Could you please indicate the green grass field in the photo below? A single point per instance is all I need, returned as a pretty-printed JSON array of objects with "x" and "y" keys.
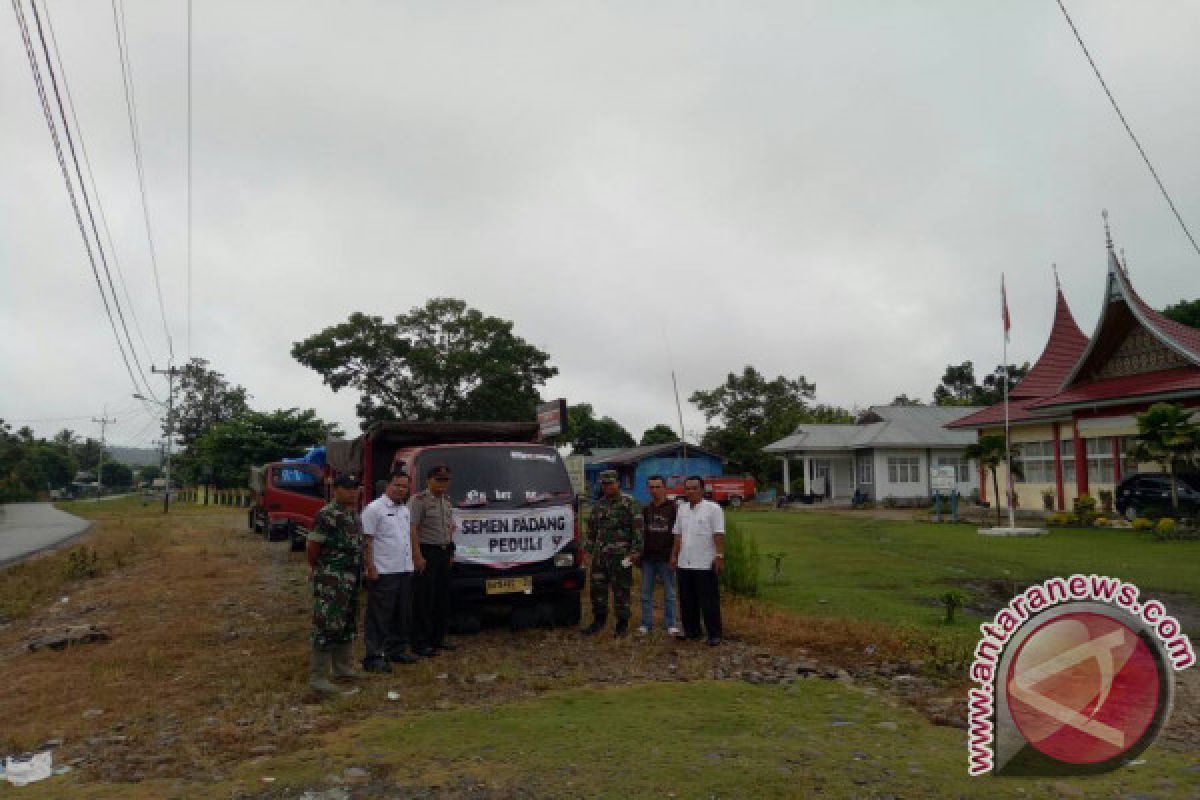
[{"x": 886, "y": 570}]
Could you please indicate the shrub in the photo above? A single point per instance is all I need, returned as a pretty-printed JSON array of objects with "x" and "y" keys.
[
  {"x": 1143, "y": 524},
  {"x": 740, "y": 575},
  {"x": 1101, "y": 522},
  {"x": 1058, "y": 519},
  {"x": 1165, "y": 528},
  {"x": 83, "y": 562},
  {"x": 1106, "y": 500},
  {"x": 1085, "y": 509},
  {"x": 953, "y": 600}
]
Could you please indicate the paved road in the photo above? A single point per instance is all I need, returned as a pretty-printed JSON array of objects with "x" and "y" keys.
[{"x": 26, "y": 528}]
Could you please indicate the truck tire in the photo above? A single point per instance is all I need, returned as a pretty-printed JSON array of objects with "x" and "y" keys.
[
  {"x": 298, "y": 541},
  {"x": 252, "y": 521},
  {"x": 279, "y": 532},
  {"x": 568, "y": 610}
]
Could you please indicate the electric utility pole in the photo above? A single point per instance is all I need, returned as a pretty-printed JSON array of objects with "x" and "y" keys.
[
  {"x": 103, "y": 422},
  {"x": 170, "y": 372}
]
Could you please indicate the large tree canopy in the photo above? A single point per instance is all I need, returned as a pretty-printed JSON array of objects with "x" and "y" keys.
[
  {"x": 1185, "y": 311},
  {"x": 747, "y": 412},
  {"x": 959, "y": 388},
  {"x": 204, "y": 399},
  {"x": 585, "y": 432},
  {"x": 224, "y": 454},
  {"x": 659, "y": 434},
  {"x": 443, "y": 360}
]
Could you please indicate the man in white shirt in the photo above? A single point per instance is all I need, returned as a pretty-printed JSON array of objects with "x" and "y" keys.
[
  {"x": 388, "y": 562},
  {"x": 698, "y": 556}
]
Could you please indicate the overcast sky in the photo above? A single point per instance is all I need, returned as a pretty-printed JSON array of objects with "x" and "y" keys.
[{"x": 828, "y": 189}]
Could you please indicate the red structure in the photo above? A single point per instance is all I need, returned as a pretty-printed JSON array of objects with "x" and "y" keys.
[{"x": 1072, "y": 418}]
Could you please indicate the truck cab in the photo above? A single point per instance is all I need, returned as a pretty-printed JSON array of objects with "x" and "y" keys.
[
  {"x": 287, "y": 497},
  {"x": 517, "y": 535}
]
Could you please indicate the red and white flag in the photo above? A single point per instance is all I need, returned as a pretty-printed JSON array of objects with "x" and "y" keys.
[{"x": 1004, "y": 308}]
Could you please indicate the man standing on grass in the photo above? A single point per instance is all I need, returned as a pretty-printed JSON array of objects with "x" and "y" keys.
[
  {"x": 389, "y": 567},
  {"x": 659, "y": 522},
  {"x": 614, "y": 542},
  {"x": 433, "y": 537},
  {"x": 698, "y": 556},
  {"x": 335, "y": 557}
]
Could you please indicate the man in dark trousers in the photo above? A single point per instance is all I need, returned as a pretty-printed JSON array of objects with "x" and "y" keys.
[
  {"x": 388, "y": 562},
  {"x": 334, "y": 553},
  {"x": 432, "y": 533},
  {"x": 657, "y": 542},
  {"x": 698, "y": 557},
  {"x": 614, "y": 543}
]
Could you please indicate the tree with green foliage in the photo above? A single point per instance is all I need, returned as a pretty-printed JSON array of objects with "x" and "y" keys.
[
  {"x": 442, "y": 360},
  {"x": 905, "y": 400},
  {"x": 1166, "y": 434},
  {"x": 1186, "y": 312},
  {"x": 659, "y": 434},
  {"x": 585, "y": 432},
  {"x": 747, "y": 412},
  {"x": 990, "y": 452},
  {"x": 959, "y": 387},
  {"x": 204, "y": 398},
  {"x": 149, "y": 473},
  {"x": 114, "y": 475},
  {"x": 224, "y": 454}
]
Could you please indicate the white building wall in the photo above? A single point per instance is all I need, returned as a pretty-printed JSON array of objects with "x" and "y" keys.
[{"x": 885, "y": 487}]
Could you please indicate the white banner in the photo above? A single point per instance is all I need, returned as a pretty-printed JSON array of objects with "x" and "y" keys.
[{"x": 505, "y": 538}]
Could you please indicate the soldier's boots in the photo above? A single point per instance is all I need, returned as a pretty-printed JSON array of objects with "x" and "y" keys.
[
  {"x": 622, "y": 627},
  {"x": 596, "y": 626},
  {"x": 343, "y": 661},
  {"x": 319, "y": 669}
]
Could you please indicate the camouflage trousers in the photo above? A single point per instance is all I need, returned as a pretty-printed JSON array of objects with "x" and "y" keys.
[
  {"x": 335, "y": 608},
  {"x": 607, "y": 571}
]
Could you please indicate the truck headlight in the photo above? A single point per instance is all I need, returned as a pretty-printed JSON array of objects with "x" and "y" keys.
[{"x": 564, "y": 560}]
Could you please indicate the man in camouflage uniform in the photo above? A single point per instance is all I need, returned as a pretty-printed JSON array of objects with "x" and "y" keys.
[
  {"x": 334, "y": 552},
  {"x": 614, "y": 542}
]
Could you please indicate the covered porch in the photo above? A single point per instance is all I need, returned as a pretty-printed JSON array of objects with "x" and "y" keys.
[{"x": 823, "y": 477}]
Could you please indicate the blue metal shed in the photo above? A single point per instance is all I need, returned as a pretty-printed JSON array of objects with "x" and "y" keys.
[{"x": 636, "y": 464}]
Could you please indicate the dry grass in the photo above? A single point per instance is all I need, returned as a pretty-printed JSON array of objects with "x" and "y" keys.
[{"x": 207, "y": 664}]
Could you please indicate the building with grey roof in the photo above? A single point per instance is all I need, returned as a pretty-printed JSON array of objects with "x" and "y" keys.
[{"x": 888, "y": 453}]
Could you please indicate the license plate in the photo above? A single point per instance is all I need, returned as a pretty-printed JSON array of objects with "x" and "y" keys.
[{"x": 510, "y": 585}]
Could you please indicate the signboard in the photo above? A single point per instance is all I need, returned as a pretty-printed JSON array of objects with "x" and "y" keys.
[
  {"x": 552, "y": 418},
  {"x": 943, "y": 479},
  {"x": 506, "y": 538}
]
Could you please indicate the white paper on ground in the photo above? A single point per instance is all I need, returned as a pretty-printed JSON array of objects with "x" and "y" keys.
[{"x": 38, "y": 767}]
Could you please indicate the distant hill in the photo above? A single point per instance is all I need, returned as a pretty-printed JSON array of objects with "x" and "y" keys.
[{"x": 135, "y": 456}]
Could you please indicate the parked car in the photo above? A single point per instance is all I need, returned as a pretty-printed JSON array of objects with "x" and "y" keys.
[{"x": 1146, "y": 491}]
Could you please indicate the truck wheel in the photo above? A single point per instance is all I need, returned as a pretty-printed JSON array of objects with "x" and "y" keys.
[
  {"x": 252, "y": 521},
  {"x": 567, "y": 610},
  {"x": 735, "y": 502},
  {"x": 279, "y": 532},
  {"x": 299, "y": 541}
]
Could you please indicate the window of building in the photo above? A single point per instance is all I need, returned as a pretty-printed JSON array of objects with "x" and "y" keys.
[
  {"x": 904, "y": 469},
  {"x": 1099, "y": 459},
  {"x": 962, "y": 467},
  {"x": 1036, "y": 460},
  {"x": 866, "y": 469}
]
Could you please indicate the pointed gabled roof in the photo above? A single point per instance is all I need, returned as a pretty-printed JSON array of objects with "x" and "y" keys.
[
  {"x": 1063, "y": 348},
  {"x": 1122, "y": 307},
  {"x": 1066, "y": 343}
]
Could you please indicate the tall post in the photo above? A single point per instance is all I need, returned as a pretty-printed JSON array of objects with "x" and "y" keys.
[
  {"x": 1011, "y": 489},
  {"x": 682, "y": 434},
  {"x": 171, "y": 371},
  {"x": 104, "y": 420}
]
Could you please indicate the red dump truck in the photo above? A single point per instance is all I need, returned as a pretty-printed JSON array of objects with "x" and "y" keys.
[
  {"x": 730, "y": 490},
  {"x": 517, "y": 536}
]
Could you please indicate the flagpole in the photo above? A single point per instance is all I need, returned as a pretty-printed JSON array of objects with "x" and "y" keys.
[{"x": 1007, "y": 443}]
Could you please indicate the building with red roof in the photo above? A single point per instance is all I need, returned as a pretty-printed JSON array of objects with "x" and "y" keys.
[{"x": 1072, "y": 418}]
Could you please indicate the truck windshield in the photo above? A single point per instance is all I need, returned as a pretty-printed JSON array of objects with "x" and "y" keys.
[{"x": 500, "y": 476}]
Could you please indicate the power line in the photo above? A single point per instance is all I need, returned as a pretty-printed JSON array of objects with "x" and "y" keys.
[
  {"x": 131, "y": 111},
  {"x": 1128, "y": 129},
  {"x": 23, "y": 24},
  {"x": 87, "y": 203},
  {"x": 95, "y": 190}
]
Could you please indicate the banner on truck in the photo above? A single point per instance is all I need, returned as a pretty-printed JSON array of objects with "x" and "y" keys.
[{"x": 505, "y": 538}]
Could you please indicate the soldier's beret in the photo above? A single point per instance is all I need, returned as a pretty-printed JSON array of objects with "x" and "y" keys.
[{"x": 608, "y": 475}]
